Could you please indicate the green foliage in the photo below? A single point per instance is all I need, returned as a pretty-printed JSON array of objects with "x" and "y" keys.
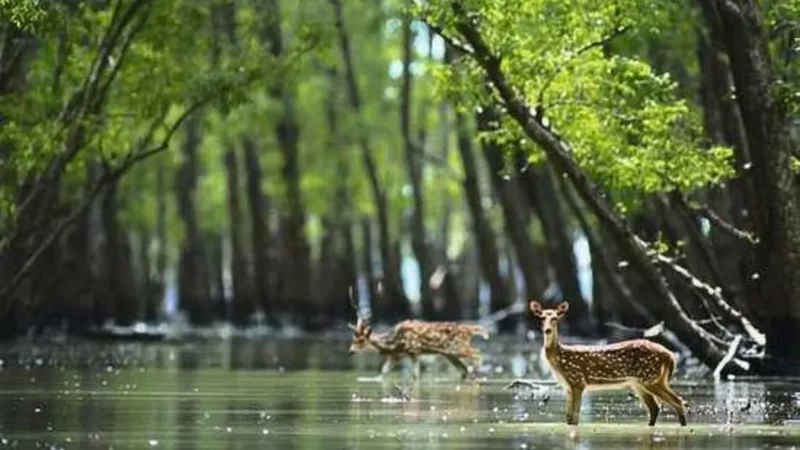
[
  {"x": 627, "y": 125},
  {"x": 24, "y": 14}
]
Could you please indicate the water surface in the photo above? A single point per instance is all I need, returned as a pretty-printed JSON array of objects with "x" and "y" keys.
[{"x": 309, "y": 394}]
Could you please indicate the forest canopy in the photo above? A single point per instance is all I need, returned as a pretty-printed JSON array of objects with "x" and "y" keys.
[{"x": 262, "y": 162}]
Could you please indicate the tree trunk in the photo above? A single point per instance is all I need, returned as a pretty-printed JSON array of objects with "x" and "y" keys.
[
  {"x": 376, "y": 303},
  {"x": 341, "y": 226},
  {"x": 775, "y": 288},
  {"x": 540, "y": 185},
  {"x": 148, "y": 281},
  {"x": 451, "y": 309},
  {"x": 622, "y": 301},
  {"x": 484, "y": 235},
  {"x": 160, "y": 281},
  {"x": 259, "y": 211},
  {"x": 119, "y": 299},
  {"x": 78, "y": 270},
  {"x": 516, "y": 215},
  {"x": 296, "y": 251},
  {"x": 397, "y": 304},
  {"x": 413, "y": 154},
  {"x": 329, "y": 274},
  {"x": 242, "y": 307},
  {"x": 193, "y": 288},
  {"x": 218, "y": 299}
]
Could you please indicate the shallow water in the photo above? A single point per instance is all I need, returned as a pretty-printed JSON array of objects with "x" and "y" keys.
[{"x": 244, "y": 394}]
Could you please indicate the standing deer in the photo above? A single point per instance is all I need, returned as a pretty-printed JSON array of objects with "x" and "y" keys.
[
  {"x": 642, "y": 365},
  {"x": 412, "y": 338}
]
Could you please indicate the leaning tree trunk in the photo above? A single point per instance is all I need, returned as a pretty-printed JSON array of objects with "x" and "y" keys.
[
  {"x": 398, "y": 305},
  {"x": 775, "y": 288},
  {"x": 413, "y": 154},
  {"x": 560, "y": 155},
  {"x": 484, "y": 235}
]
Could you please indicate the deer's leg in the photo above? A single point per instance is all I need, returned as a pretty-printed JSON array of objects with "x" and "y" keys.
[
  {"x": 574, "y": 396},
  {"x": 650, "y": 402},
  {"x": 417, "y": 367},
  {"x": 476, "y": 358},
  {"x": 459, "y": 365},
  {"x": 670, "y": 397},
  {"x": 388, "y": 364}
]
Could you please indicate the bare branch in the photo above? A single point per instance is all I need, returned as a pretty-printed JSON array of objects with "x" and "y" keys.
[
  {"x": 650, "y": 332},
  {"x": 715, "y": 293},
  {"x": 737, "y": 341},
  {"x": 140, "y": 156},
  {"x": 723, "y": 225}
]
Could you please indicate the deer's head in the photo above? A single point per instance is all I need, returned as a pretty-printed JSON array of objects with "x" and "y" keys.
[
  {"x": 361, "y": 335},
  {"x": 550, "y": 318},
  {"x": 361, "y": 330}
]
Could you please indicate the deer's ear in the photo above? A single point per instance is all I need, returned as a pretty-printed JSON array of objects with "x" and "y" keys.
[
  {"x": 562, "y": 308},
  {"x": 352, "y": 327},
  {"x": 536, "y": 308},
  {"x": 367, "y": 332}
]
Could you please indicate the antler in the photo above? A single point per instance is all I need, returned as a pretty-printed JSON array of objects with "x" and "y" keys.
[{"x": 355, "y": 307}]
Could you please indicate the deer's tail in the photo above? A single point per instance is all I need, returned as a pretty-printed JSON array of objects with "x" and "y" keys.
[{"x": 670, "y": 367}]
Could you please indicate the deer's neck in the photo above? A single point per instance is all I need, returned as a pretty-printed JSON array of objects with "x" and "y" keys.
[
  {"x": 552, "y": 348},
  {"x": 381, "y": 343}
]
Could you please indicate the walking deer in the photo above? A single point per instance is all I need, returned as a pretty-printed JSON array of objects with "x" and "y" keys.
[
  {"x": 412, "y": 338},
  {"x": 642, "y": 365}
]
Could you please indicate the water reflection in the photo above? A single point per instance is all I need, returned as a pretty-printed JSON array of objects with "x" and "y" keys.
[{"x": 311, "y": 395}]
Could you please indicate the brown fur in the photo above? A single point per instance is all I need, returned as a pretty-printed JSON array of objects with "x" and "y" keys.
[
  {"x": 642, "y": 365},
  {"x": 412, "y": 338}
]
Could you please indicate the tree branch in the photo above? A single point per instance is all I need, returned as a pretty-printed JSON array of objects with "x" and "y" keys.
[
  {"x": 722, "y": 224},
  {"x": 757, "y": 336},
  {"x": 737, "y": 341},
  {"x": 83, "y": 101},
  {"x": 618, "y": 31},
  {"x": 452, "y": 42},
  {"x": 106, "y": 178}
]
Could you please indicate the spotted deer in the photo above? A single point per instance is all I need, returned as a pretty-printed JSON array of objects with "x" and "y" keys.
[
  {"x": 412, "y": 338},
  {"x": 642, "y": 365}
]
